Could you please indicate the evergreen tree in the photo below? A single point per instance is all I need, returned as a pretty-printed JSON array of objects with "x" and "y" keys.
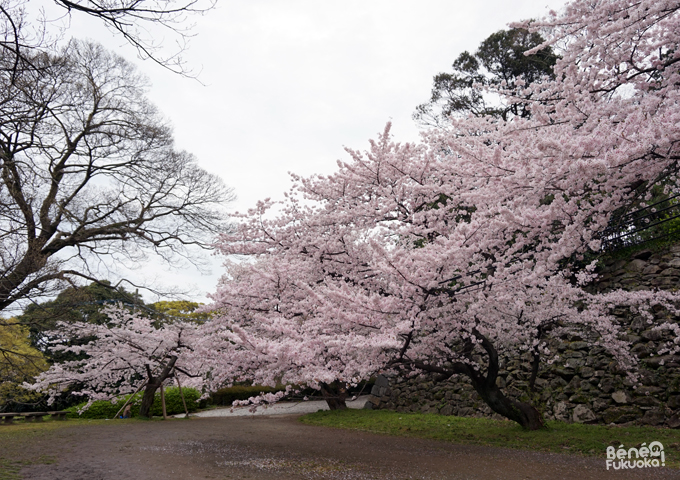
[
  {"x": 499, "y": 63},
  {"x": 74, "y": 304}
]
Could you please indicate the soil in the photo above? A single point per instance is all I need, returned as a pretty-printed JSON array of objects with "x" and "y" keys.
[{"x": 281, "y": 447}]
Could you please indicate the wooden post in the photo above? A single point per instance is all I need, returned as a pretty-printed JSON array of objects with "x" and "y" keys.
[
  {"x": 165, "y": 415},
  {"x": 129, "y": 399},
  {"x": 186, "y": 410}
]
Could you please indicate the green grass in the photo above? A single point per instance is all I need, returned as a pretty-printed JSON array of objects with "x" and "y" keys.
[
  {"x": 14, "y": 438},
  {"x": 558, "y": 437}
]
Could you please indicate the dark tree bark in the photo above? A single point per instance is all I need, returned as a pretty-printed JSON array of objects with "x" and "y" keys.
[
  {"x": 154, "y": 384},
  {"x": 335, "y": 395},
  {"x": 523, "y": 413}
]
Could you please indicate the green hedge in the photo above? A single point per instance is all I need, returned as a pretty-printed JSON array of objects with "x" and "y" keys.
[
  {"x": 173, "y": 401},
  {"x": 173, "y": 404},
  {"x": 98, "y": 409}
]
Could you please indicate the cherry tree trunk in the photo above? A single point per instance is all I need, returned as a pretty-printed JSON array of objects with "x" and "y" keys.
[
  {"x": 485, "y": 385},
  {"x": 148, "y": 398},
  {"x": 335, "y": 395},
  {"x": 154, "y": 384},
  {"x": 523, "y": 413}
]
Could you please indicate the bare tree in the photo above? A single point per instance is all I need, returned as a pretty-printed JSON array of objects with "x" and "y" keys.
[
  {"x": 134, "y": 20},
  {"x": 88, "y": 171}
]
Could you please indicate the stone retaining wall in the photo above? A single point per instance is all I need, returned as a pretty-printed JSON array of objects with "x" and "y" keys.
[{"x": 586, "y": 386}]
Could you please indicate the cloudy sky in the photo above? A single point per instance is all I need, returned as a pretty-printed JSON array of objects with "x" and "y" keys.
[{"x": 285, "y": 85}]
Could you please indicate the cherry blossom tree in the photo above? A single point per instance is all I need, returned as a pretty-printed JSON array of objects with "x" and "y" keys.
[
  {"x": 288, "y": 334},
  {"x": 477, "y": 243},
  {"x": 124, "y": 355},
  {"x": 384, "y": 270}
]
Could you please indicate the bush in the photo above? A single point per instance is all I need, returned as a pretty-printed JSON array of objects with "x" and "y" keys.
[
  {"x": 173, "y": 401},
  {"x": 98, "y": 409},
  {"x": 173, "y": 404}
]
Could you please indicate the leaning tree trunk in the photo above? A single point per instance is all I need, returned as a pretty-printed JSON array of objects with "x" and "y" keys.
[
  {"x": 335, "y": 394},
  {"x": 154, "y": 384},
  {"x": 523, "y": 413},
  {"x": 148, "y": 398}
]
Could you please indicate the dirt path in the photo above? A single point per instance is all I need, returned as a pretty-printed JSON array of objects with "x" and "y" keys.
[
  {"x": 279, "y": 408},
  {"x": 281, "y": 447}
]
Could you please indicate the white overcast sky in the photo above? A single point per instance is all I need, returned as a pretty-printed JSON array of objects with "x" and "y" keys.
[{"x": 285, "y": 85}]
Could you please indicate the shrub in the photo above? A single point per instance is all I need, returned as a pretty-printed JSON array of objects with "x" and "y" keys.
[
  {"x": 98, "y": 409},
  {"x": 226, "y": 396},
  {"x": 173, "y": 401},
  {"x": 173, "y": 404}
]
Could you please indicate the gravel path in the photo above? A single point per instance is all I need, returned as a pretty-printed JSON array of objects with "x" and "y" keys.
[
  {"x": 280, "y": 408},
  {"x": 281, "y": 447}
]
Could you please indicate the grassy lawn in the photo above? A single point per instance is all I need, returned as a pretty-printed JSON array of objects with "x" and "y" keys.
[{"x": 559, "y": 437}]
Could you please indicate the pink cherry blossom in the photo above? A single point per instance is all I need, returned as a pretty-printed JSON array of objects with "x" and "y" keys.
[{"x": 444, "y": 255}]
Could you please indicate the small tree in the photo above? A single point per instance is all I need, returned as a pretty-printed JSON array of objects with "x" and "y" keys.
[
  {"x": 122, "y": 356},
  {"x": 19, "y": 363}
]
